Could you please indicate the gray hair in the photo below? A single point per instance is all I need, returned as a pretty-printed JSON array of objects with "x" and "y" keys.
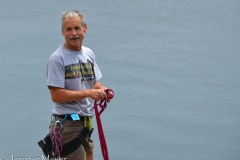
[{"x": 71, "y": 14}]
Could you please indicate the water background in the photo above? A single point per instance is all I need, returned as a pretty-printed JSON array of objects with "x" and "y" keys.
[{"x": 174, "y": 66}]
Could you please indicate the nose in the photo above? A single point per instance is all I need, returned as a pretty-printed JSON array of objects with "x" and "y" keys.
[{"x": 73, "y": 31}]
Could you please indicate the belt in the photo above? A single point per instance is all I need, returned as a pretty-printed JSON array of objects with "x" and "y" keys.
[{"x": 68, "y": 117}]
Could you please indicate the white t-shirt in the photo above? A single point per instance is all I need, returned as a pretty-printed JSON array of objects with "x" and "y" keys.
[{"x": 73, "y": 70}]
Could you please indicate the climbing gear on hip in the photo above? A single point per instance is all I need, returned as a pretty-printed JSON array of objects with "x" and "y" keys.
[
  {"x": 57, "y": 139},
  {"x": 53, "y": 148},
  {"x": 103, "y": 105},
  {"x": 87, "y": 122},
  {"x": 46, "y": 144}
]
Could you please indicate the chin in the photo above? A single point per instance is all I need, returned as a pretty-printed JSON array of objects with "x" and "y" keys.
[{"x": 78, "y": 47}]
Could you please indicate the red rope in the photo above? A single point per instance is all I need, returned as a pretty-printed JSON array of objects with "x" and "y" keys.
[
  {"x": 56, "y": 141},
  {"x": 102, "y": 104}
]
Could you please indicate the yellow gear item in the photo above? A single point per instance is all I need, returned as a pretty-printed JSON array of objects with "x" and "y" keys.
[{"x": 87, "y": 121}]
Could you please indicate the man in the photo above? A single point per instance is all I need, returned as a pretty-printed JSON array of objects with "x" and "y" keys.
[{"x": 73, "y": 79}]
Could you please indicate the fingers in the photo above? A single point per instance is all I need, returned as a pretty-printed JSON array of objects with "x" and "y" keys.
[
  {"x": 98, "y": 94},
  {"x": 101, "y": 94}
]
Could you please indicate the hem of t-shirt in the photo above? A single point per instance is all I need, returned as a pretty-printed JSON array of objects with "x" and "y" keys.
[{"x": 57, "y": 86}]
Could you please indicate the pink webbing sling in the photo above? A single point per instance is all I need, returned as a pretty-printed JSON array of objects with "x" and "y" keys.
[{"x": 102, "y": 104}]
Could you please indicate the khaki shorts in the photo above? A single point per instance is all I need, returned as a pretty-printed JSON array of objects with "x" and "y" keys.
[{"x": 70, "y": 130}]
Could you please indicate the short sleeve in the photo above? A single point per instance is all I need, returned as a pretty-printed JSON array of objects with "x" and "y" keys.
[{"x": 55, "y": 74}]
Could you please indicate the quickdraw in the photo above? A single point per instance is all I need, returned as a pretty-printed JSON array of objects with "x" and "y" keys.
[{"x": 103, "y": 105}]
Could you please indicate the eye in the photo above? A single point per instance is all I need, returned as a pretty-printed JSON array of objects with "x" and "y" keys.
[
  {"x": 77, "y": 28},
  {"x": 68, "y": 29}
]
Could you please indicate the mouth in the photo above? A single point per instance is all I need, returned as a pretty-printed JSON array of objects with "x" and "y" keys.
[{"x": 74, "y": 38}]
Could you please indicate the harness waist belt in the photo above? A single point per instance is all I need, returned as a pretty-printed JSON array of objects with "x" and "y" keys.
[{"x": 68, "y": 117}]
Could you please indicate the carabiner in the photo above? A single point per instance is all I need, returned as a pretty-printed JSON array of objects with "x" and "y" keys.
[{"x": 58, "y": 122}]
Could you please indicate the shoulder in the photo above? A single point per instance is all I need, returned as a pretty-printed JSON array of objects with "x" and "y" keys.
[
  {"x": 88, "y": 52},
  {"x": 57, "y": 55}
]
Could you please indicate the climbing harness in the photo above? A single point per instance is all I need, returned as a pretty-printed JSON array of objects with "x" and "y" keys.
[
  {"x": 53, "y": 148},
  {"x": 103, "y": 105}
]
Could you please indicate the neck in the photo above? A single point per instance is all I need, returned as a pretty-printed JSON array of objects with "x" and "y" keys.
[{"x": 74, "y": 48}]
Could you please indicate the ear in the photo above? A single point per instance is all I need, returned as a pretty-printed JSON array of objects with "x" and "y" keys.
[
  {"x": 62, "y": 33},
  {"x": 85, "y": 28}
]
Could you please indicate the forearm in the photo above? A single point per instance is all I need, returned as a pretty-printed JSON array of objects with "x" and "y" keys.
[{"x": 60, "y": 95}]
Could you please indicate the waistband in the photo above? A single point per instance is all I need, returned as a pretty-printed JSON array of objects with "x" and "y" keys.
[{"x": 68, "y": 117}]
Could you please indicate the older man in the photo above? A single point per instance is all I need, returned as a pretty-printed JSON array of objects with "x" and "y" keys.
[{"x": 73, "y": 80}]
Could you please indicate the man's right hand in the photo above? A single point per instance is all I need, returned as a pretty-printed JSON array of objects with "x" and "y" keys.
[{"x": 97, "y": 94}]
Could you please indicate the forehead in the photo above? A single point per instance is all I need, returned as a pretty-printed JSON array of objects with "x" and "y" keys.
[{"x": 72, "y": 22}]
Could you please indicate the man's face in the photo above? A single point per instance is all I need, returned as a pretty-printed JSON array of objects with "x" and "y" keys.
[{"x": 73, "y": 31}]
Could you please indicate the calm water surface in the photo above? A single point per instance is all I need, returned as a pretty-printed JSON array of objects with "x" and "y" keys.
[{"x": 174, "y": 67}]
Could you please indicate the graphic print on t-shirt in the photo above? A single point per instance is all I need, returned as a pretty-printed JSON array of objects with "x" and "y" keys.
[
  {"x": 72, "y": 71},
  {"x": 85, "y": 71}
]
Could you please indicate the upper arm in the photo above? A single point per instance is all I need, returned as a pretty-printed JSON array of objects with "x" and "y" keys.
[{"x": 55, "y": 74}]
